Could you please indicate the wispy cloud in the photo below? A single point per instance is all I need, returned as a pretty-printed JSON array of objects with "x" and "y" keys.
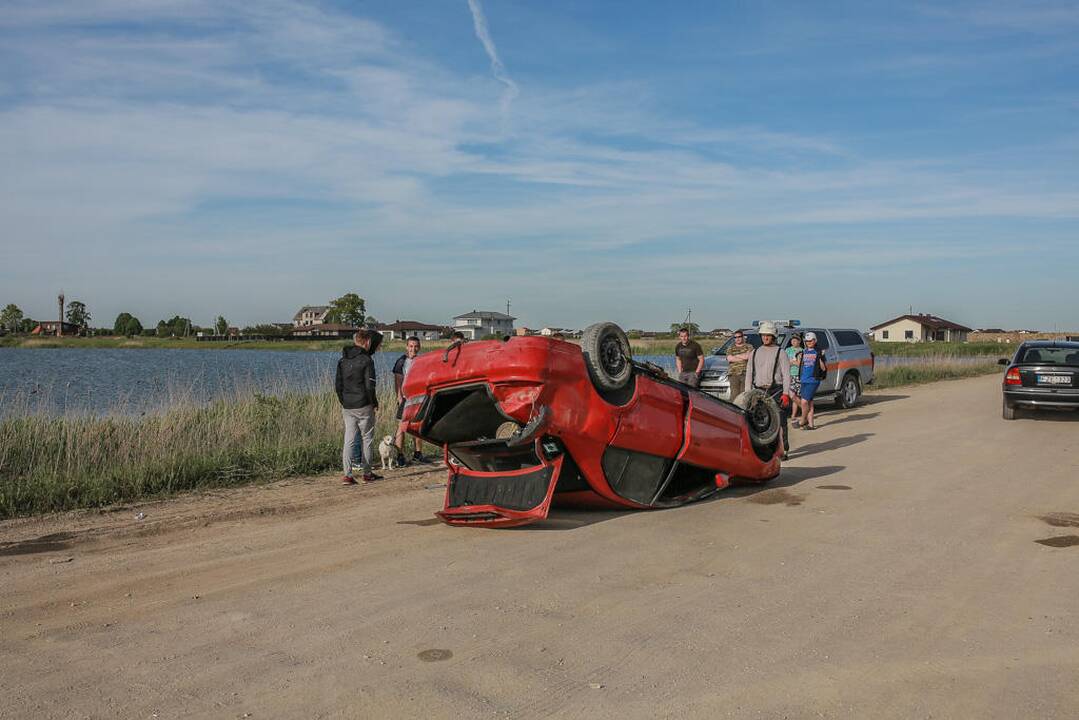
[
  {"x": 479, "y": 22},
  {"x": 311, "y": 146}
]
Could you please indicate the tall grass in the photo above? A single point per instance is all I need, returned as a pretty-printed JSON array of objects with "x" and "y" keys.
[
  {"x": 920, "y": 349},
  {"x": 932, "y": 371},
  {"x": 61, "y": 463}
]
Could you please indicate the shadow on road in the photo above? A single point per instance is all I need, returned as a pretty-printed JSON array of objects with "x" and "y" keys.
[
  {"x": 564, "y": 519},
  {"x": 1046, "y": 415},
  {"x": 835, "y": 444},
  {"x": 45, "y": 543},
  {"x": 850, "y": 418},
  {"x": 788, "y": 477},
  {"x": 877, "y": 398}
]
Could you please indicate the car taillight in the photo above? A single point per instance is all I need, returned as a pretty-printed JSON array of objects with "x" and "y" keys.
[{"x": 1012, "y": 377}]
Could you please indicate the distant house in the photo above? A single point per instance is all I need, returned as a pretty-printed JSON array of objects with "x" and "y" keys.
[
  {"x": 549, "y": 331},
  {"x": 310, "y": 315},
  {"x": 478, "y": 323},
  {"x": 720, "y": 333},
  {"x": 525, "y": 331},
  {"x": 403, "y": 329},
  {"x": 324, "y": 330},
  {"x": 920, "y": 328},
  {"x": 48, "y": 327}
]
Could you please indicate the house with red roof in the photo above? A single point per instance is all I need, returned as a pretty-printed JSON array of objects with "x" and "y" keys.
[{"x": 919, "y": 328}]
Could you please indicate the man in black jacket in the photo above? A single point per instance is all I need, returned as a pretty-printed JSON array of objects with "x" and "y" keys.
[{"x": 355, "y": 386}]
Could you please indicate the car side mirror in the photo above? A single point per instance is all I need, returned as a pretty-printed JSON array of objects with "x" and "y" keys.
[{"x": 1002, "y": 361}]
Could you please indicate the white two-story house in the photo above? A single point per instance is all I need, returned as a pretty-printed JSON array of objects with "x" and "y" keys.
[
  {"x": 310, "y": 315},
  {"x": 479, "y": 323}
]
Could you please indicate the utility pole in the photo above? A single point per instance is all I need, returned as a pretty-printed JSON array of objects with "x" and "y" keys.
[
  {"x": 507, "y": 306},
  {"x": 60, "y": 325}
]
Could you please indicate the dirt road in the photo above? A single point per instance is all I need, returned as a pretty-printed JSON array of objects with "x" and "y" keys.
[{"x": 892, "y": 571}]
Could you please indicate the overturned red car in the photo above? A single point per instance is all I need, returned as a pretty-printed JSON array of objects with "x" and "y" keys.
[{"x": 528, "y": 422}]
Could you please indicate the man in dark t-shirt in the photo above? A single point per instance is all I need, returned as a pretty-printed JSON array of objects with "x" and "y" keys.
[{"x": 688, "y": 359}]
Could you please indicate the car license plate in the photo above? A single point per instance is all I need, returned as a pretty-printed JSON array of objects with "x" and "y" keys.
[{"x": 1054, "y": 380}]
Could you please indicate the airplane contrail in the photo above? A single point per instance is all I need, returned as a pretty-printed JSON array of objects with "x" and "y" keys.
[{"x": 479, "y": 21}]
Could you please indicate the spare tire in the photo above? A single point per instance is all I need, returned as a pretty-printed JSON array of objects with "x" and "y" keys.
[
  {"x": 762, "y": 416},
  {"x": 607, "y": 356}
]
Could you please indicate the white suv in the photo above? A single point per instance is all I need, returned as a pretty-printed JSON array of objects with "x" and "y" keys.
[{"x": 850, "y": 363}]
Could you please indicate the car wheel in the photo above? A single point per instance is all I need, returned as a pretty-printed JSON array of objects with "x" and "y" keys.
[
  {"x": 762, "y": 416},
  {"x": 849, "y": 391},
  {"x": 607, "y": 355},
  {"x": 1009, "y": 411}
]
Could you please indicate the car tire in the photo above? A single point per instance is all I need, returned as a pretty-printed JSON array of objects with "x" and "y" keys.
[
  {"x": 849, "y": 391},
  {"x": 608, "y": 356},
  {"x": 1009, "y": 411},
  {"x": 762, "y": 416}
]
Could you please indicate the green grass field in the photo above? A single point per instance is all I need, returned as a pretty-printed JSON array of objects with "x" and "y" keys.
[
  {"x": 927, "y": 349},
  {"x": 49, "y": 464},
  {"x": 930, "y": 372}
]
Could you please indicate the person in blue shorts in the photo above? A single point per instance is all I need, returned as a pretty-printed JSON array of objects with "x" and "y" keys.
[{"x": 813, "y": 370}]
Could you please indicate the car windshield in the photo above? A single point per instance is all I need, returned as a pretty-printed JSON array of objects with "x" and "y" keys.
[
  {"x": 1050, "y": 356},
  {"x": 751, "y": 338}
]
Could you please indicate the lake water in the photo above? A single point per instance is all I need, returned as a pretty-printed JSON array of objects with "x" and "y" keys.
[{"x": 100, "y": 381}]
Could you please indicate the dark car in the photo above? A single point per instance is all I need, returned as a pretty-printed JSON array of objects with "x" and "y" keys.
[{"x": 1042, "y": 374}]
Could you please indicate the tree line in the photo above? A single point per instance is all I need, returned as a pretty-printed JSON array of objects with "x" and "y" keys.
[{"x": 349, "y": 309}]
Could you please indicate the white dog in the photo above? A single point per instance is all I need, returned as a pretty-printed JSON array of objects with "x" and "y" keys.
[{"x": 388, "y": 452}]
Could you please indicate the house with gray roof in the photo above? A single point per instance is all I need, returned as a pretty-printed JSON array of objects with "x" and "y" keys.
[
  {"x": 479, "y": 323},
  {"x": 310, "y": 315}
]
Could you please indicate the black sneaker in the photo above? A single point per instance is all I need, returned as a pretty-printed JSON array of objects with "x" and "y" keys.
[
  {"x": 419, "y": 458},
  {"x": 371, "y": 477}
]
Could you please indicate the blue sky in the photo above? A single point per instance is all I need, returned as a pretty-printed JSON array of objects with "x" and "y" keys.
[{"x": 837, "y": 161}]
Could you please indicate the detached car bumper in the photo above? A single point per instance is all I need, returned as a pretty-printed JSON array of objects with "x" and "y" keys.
[{"x": 500, "y": 499}]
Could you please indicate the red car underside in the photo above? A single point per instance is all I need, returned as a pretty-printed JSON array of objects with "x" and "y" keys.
[{"x": 656, "y": 444}]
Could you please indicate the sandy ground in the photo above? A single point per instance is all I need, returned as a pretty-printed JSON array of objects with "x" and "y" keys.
[{"x": 893, "y": 570}]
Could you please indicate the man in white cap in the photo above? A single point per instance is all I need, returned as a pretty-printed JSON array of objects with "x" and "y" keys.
[{"x": 768, "y": 369}]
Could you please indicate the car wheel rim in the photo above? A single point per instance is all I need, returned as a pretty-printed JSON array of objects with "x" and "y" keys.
[
  {"x": 611, "y": 356},
  {"x": 852, "y": 391},
  {"x": 759, "y": 418}
]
